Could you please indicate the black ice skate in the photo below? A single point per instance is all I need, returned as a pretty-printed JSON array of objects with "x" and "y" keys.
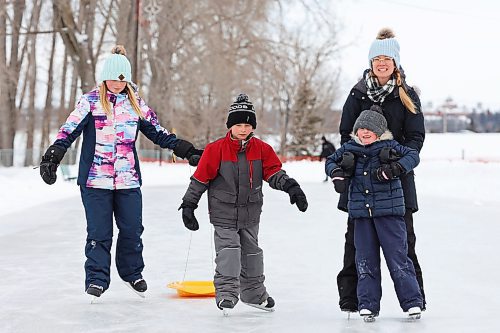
[
  {"x": 349, "y": 308},
  {"x": 267, "y": 305},
  {"x": 226, "y": 306},
  {"x": 94, "y": 291},
  {"x": 139, "y": 286}
]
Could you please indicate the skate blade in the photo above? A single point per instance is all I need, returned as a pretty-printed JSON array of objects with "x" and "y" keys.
[
  {"x": 258, "y": 306},
  {"x": 414, "y": 316},
  {"x": 93, "y": 299},
  {"x": 226, "y": 311},
  {"x": 369, "y": 319},
  {"x": 138, "y": 293}
]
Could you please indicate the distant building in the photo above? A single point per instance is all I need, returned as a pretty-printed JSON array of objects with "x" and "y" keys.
[{"x": 449, "y": 117}]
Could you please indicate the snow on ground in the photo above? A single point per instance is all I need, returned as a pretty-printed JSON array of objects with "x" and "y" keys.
[{"x": 43, "y": 234}]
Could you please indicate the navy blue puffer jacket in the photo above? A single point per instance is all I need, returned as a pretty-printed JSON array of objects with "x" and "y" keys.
[
  {"x": 407, "y": 128},
  {"x": 369, "y": 197}
]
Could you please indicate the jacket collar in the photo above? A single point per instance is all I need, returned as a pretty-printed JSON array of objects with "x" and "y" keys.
[{"x": 239, "y": 145}]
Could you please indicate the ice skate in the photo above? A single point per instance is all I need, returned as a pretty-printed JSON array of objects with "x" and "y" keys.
[
  {"x": 414, "y": 313},
  {"x": 226, "y": 306},
  {"x": 349, "y": 308},
  {"x": 267, "y": 305},
  {"x": 139, "y": 286},
  {"x": 94, "y": 291},
  {"x": 368, "y": 316}
]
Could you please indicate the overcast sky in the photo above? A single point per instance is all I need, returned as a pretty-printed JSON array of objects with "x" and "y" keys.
[{"x": 448, "y": 48}]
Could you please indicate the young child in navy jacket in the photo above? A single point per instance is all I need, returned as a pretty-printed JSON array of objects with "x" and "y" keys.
[{"x": 373, "y": 162}]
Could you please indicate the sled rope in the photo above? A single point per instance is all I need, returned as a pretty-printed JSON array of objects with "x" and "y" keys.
[
  {"x": 187, "y": 257},
  {"x": 191, "y": 238}
]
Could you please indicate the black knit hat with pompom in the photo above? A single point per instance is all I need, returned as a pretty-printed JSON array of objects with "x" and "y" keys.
[{"x": 241, "y": 112}]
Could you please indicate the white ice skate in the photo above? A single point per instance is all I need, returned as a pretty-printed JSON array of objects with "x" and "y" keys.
[
  {"x": 414, "y": 313},
  {"x": 368, "y": 316}
]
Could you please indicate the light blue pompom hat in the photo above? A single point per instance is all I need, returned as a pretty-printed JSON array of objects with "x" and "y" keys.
[
  {"x": 386, "y": 45},
  {"x": 116, "y": 66}
]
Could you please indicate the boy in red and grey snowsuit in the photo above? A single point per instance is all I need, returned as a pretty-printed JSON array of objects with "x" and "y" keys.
[{"x": 233, "y": 169}]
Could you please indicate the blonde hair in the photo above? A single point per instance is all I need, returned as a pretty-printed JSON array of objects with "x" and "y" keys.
[
  {"x": 131, "y": 95},
  {"x": 403, "y": 95}
]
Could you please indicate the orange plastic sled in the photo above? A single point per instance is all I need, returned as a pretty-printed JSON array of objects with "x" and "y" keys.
[{"x": 193, "y": 288}]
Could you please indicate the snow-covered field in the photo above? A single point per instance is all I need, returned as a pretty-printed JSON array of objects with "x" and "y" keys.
[{"x": 43, "y": 235}]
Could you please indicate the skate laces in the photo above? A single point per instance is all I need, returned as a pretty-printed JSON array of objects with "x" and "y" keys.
[
  {"x": 137, "y": 281},
  {"x": 96, "y": 287}
]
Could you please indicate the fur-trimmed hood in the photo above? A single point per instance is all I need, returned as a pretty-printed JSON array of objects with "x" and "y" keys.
[{"x": 387, "y": 135}]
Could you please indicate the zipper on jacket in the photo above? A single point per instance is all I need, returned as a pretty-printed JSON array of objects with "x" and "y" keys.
[
  {"x": 251, "y": 173},
  {"x": 115, "y": 143}
]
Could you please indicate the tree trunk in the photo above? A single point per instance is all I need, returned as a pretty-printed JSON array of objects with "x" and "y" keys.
[
  {"x": 9, "y": 123},
  {"x": 128, "y": 33},
  {"x": 31, "y": 79},
  {"x": 62, "y": 113},
  {"x": 76, "y": 43},
  {"x": 3, "y": 83},
  {"x": 47, "y": 110}
]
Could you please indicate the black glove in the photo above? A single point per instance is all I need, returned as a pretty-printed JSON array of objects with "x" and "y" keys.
[
  {"x": 348, "y": 164},
  {"x": 388, "y": 155},
  {"x": 387, "y": 172},
  {"x": 296, "y": 194},
  {"x": 50, "y": 162},
  {"x": 194, "y": 156},
  {"x": 188, "y": 217},
  {"x": 339, "y": 180},
  {"x": 185, "y": 149}
]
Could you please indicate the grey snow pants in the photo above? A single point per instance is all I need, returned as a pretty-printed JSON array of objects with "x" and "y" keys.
[{"x": 239, "y": 265}]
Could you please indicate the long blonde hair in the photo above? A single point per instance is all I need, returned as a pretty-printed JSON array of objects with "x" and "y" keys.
[
  {"x": 130, "y": 93},
  {"x": 403, "y": 95}
]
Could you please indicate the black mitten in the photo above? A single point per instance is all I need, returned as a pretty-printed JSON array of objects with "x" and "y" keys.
[
  {"x": 297, "y": 196},
  {"x": 185, "y": 149},
  {"x": 348, "y": 164},
  {"x": 388, "y": 155},
  {"x": 188, "y": 217},
  {"x": 194, "y": 156},
  {"x": 50, "y": 162},
  {"x": 339, "y": 181},
  {"x": 387, "y": 172}
]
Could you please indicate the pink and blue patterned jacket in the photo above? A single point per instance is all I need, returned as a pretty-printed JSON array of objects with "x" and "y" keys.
[{"x": 109, "y": 158}]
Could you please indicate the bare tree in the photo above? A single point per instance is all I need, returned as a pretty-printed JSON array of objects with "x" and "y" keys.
[
  {"x": 11, "y": 66},
  {"x": 191, "y": 59},
  {"x": 78, "y": 38},
  {"x": 47, "y": 111},
  {"x": 31, "y": 78}
]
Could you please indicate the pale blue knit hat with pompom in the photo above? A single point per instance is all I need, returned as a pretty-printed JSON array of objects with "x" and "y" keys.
[
  {"x": 386, "y": 45},
  {"x": 116, "y": 67}
]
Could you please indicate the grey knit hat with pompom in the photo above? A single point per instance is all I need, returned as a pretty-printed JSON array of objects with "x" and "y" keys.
[{"x": 372, "y": 120}]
